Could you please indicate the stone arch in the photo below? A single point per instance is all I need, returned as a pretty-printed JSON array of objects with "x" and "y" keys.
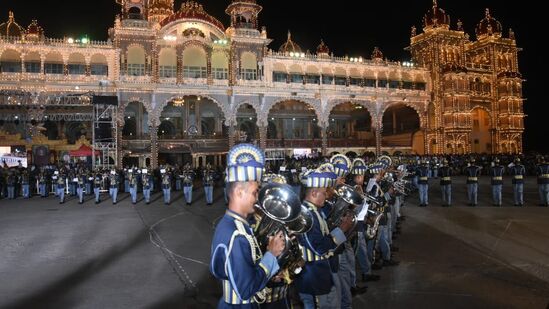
[
  {"x": 247, "y": 120},
  {"x": 351, "y": 119},
  {"x": 76, "y": 64},
  {"x": 299, "y": 128},
  {"x": 368, "y": 105},
  {"x": 136, "y": 58},
  {"x": 10, "y": 61},
  {"x": 271, "y": 102},
  {"x": 402, "y": 130},
  {"x": 99, "y": 65},
  {"x": 414, "y": 105},
  {"x": 154, "y": 115},
  {"x": 133, "y": 119},
  {"x": 32, "y": 61},
  {"x": 123, "y": 104}
]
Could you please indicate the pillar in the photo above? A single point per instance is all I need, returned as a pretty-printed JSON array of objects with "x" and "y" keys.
[
  {"x": 154, "y": 145},
  {"x": 209, "y": 68},
  {"x": 378, "y": 131},
  {"x": 263, "y": 137},
  {"x": 231, "y": 136},
  {"x": 324, "y": 134}
]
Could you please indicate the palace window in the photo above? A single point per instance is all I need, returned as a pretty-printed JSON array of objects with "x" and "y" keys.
[
  {"x": 407, "y": 85},
  {"x": 195, "y": 72},
  {"x": 341, "y": 80},
  {"x": 248, "y": 74},
  {"x": 370, "y": 83},
  {"x": 136, "y": 69},
  {"x": 32, "y": 67},
  {"x": 327, "y": 80},
  {"x": 13, "y": 67},
  {"x": 99, "y": 69},
  {"x": 382, "y": 83},
  {"x": 312, "y": 79},
  {"x": 76, "y": 69},
  {"x": 279, "y": 77},
  {"x": 394, "y": 84},
  {"x": 297, "y": 78},
  {"x": 220, "y": 73},
  {"x": 356, "y": 81},
  {"x": 167, "y": 71},
  {"x": 420, "y": 86},
  {"x": 53, "y": 68}
]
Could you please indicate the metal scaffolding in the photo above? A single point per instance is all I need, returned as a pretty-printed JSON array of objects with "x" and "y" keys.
[{"x": 105, "y": 131}]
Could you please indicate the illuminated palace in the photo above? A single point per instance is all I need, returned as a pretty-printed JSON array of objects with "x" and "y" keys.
[{"x": 188, "y": 88}]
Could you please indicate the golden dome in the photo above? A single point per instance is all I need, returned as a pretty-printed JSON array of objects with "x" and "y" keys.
[
  {"x": 377, "y": 54},
  {"x": 290, "y": 46},
  {"x": 11, "y": 28},
  {"x": 488, "y": 26},
  {"x": 436, "y": 17},
  {"x": 34, "y": 30}
]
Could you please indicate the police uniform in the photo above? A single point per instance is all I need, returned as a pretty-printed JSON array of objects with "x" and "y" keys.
[
  {"x": 543, "y": 182},
  {"x": 146, "y": 182},
  {"x": 236, "y": 259},
  {"x": 97, "y": 181},
  {"x": 166, "y": 187},
  {"x": 188, "y": 178},
  {"x": 318, "y": 284},
  {"x": 208, "y": 181},
  {"x": 132, "y": 185},
  {"x": 113, "y": 186},
  {"x": 518, "y": 171},
  {"x": 473, "y": 172},
  {"x": 446, "y": 183},
  {"x": 496, "y": 174},
  {"x": 423, "y": 184},
  {"x": 61, "y": 187},
  {"x": 25, "y": 184},
  {"x": 81, "y": 184},
  {"x": 11, "y": 186}
]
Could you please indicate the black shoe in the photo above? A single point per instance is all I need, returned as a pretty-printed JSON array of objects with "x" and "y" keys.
[
  {"x": 188, "y": 204},
  {"x": 390, "y": 262},
  {"x": 114, "y": 203},
  {"x": 147, "y": 203},
  {"x": 358, "y": 290},
  {"x": 370, "y": 278}
]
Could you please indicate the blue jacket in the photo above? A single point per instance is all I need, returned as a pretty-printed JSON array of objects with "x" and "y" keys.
[{"x": 237, "y": 261}]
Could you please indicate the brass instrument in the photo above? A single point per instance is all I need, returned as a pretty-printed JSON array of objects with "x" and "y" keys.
[{"x": 347, "y": 200}]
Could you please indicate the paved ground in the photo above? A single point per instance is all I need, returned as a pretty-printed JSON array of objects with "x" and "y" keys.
[{"x": 155, "y": 256}]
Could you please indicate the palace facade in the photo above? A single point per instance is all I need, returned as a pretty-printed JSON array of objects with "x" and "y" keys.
[{"x": 188, "y": 88}]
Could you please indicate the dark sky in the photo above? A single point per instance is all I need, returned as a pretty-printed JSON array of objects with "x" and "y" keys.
[{"x": 348, "y": 27}]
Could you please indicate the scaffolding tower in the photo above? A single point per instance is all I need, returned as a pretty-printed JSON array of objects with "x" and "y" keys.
[{"x": 105, "y": 132}]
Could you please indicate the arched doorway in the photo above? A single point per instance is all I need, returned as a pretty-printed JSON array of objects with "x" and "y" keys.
[
  {"x": 481, "y": 139},
  {"x": 350, "y": 125},
  {"x": 246, "y": 123},
  {"x": 400, "y": 124},
  {"x": 74, "y": 130},
  {"x": 293, "y": 124},
  {"x": 136, "y": 120}
]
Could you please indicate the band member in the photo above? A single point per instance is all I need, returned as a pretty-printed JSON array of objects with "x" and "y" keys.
[
  {"x": 423, "y": 183},
  {"x": 146, "y": 182},
  {"x": 208, "y": 181},
  {"x": 80, "y": 183},
  {"x": 188, "y": 178},
  {"x": 132, "y": 185},
  {"x": 446, "y": 183},
  {"x": 236, "y": 258},
  {"x": 60, "y": 180},
  {"x": 98, "y": 180},
  {"x": 11, "y": 185},
  {"x": 317, "y": 283},
  {"x": 42, "y": 185},
  {"x": 25, "y": 184},
  {"x": 358, "y": 171},
  {"x": 496, "y": 172},
  {"x": 166, "y": 186},
  {"x": 473, "y": 172},
  {"x": 113, "y": 186},
  {"x": 542, "y": 172},
  {"x": 517, "y": 170}
]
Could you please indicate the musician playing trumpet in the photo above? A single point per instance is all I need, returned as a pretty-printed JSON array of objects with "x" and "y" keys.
[{"x": 236, "y": 258}]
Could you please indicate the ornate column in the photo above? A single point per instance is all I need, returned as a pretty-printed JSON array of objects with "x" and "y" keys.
[
  {"x": 378, "y": 132},
  {"x": 324, "y": 134},
  {"x": 154, "y": 145},
  {"x": 179, "y": 67},
  {"x": 263, "y": 137},
  {"x": 231, "y": 136},
  {"x": 209, "y": 68}
]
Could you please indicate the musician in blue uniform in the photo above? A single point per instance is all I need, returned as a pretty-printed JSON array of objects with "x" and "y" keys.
[
  {"x": 542, "y": 172},
  {"x": 146, "y": 181},
  {"x": 188, "y": 178},
  {"x": 472, "y": 172},
  {"x": 517, "y": 170},
  {"x": 423, "y": 183},
  {"x": 236, "y": 259},
  {"x": 97, "y": 182},
  {"x": 132, "y": 185},
  {"x": 496, "y": 174},
  {"x": 208, "y": 181},
  {"x": 80, "y": 184},
  {"x": 166, "y": 186},
  {"x": 446, "y": 183},
  {"x": 60, "y": 180},
  {"x": 316, "y": 283},
  {"x": 113, "y": 186}
]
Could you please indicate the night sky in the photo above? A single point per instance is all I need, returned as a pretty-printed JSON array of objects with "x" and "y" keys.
[{"x": 348, "y": 27}]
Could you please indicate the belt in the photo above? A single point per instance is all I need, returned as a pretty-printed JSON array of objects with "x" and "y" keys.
[
  {"x": 310, "y": 256},
  {"x": 497, "y": 178},
  {"x": 423, "y": 178},
  {"x": 544, "y": 176},
  {"x": 518, "y": 176},
  {"x": 446, "y": 178},
  {"x": 472, "y": 178}
]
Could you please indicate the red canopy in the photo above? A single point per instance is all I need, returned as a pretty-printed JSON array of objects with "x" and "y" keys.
[{"x": 84, "y": 151}]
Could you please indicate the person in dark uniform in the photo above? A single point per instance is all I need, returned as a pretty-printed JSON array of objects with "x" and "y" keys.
[
  {"x": 446, "y": 183},
  {"x": 236, "y": 259},
  {"x": 113, "y": 186},
  {"x": 517, "y": 170},
  {"x": 472, "y": 172},
  {"x": 423, "y": 183},
  {"x": 42, "y": 184},
  {"x": 11, "y": 180},
  {"x": 166, "y": 186},
  {"x": 146, "y": 182},
  {"x": 496, "y": 174},
  {"x": 25, "y": 184},
  {"x": 97, "y": 181},
  {"x": 80, "y": 186},
  {"x": 208, "y": 182},
  {"x": 542, "y": 172},
  {"x": 132, "y": 185},
  {"x": 61, "y": 187},
  {"x": 188, "y": 179}
]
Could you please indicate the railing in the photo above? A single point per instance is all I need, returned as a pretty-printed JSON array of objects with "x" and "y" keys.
[
  {"x": 294, "y": 143},
  {"x": 345, "y": 142},
  {"x": 54, "y": 42},
  {"x": 135, "y": 23},
  {"x": 314, "y": 57}
]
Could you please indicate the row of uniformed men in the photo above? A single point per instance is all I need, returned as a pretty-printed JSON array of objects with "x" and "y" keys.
[{"x": 252, "y": 278}]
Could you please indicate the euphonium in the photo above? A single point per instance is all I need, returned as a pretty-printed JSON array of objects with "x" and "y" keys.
[{"x": 347, "y": 200}]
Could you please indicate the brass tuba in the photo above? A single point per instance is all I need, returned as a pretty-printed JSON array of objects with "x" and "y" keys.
[{"x": 347, "y": 200}]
